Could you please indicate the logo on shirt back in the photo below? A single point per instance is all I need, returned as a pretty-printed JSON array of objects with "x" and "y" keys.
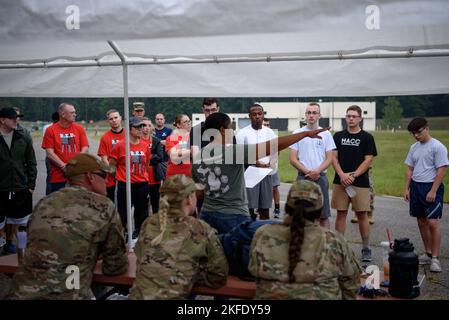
[
  {"x": 350, "y": 142},
  {"x": 68, "y": 142}
]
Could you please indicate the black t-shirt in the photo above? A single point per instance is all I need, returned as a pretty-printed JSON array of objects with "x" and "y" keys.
[{"x": 352, "y": 149}]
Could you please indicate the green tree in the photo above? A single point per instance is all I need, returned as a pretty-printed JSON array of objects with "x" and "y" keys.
[{"x": 392, "y": 112}]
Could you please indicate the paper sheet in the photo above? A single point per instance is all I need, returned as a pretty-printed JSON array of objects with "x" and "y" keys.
[{"x": 254, "y": 175}]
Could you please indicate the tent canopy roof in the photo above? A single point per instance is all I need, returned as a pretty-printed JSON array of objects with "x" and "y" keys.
[{"x": 169, "y": 31}]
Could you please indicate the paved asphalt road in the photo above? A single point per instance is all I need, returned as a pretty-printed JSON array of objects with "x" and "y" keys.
[{"x": 390, "y": 212}]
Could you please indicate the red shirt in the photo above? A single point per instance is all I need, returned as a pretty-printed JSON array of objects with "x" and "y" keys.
[
  {"x": 139, "y": 157},
  {"x": 66, "y": 142},
  {"x": 107, "y": 142},
  {"x": 179, "y": 142}
]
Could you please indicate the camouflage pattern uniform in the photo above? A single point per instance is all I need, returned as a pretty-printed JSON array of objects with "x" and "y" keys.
[
  {"x": 327, "y": 268},
  {"x": 72, "y": 226},
  {"x": 189, "y": 252}
]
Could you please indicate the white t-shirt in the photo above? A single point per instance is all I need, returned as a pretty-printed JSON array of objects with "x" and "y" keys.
[
  {"x": 426, "y": 158},
  {"x": 248, "y": 135},
  {"x": 312, "y": 152}
]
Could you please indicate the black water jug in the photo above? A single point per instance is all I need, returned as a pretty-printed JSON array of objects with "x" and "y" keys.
[{"x": 403, "y": 270}]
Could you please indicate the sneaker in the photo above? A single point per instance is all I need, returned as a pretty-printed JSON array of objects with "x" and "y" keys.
[
  {"x": 9, "y": 248},
  {"x": 366, "y": 254},
  {"x": 276, "y": 213},
  {"x": 435, "y": 265},
  {"x": 354, "y": 219},
  {"x": 424, "y": 259}
]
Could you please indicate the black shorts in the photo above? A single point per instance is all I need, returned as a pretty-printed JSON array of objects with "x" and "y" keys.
[{"x": 15, "y": 207}]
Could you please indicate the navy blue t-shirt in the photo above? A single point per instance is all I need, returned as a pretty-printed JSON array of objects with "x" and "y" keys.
[
  {"x": 162, "y": 134},
  {"x": 352, "y": 149}
]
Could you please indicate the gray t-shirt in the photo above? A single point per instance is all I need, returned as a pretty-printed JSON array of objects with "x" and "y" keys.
[
  {"x": 8, "y": 138},
  {"x": 221, "y": 169},
  {"x": 426, "y": 158}
]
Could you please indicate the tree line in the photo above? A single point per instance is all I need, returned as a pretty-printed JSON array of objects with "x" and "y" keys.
[{"x": 391, "y": 109}]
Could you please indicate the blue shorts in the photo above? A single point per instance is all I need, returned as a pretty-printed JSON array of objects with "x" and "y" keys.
[{"x": 419, "y": 207}]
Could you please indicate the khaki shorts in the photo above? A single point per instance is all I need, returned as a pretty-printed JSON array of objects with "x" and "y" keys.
[{"x": 340, "y": 199}]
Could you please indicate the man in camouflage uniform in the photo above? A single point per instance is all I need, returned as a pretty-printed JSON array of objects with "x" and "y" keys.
[
  {"x": 68, "y": 231},
  {"x": 176, "y": 250},
  {"x": 327, "y": 268}
]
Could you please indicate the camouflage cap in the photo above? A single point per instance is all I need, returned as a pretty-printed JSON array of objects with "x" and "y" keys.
[
  {"x": 139, "y": 106},
  {"x": 178, "y": 187},
  {"x": 306, "y": 190},
  {"x": 84, "y": 162}
]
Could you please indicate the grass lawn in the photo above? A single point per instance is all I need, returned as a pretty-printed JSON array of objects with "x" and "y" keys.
[{"x": 388, "y": 166}]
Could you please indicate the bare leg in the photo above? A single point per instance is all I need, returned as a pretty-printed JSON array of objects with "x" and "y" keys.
[
  {"x": 276, "y": 196},
  {"x": 362, "y": 216},
  {"x": 435, "y": 236},
  {"x": 340, "y": 222},
  {"x": 325, "y": 223},
  {"x": 424, "y": 229},
  {"x": 264, "y": 214}
]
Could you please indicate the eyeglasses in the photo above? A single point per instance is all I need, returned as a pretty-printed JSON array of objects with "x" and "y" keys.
[
  {"x": 186, "y": 121},
  {"x": 266, "y": 124},
  {"x": 351, "y": 116},
  {"x": 312, "y": 112},
  {"x": 211, "y": 110},
  {"x": 418, "y": 132},
  {"x": 101, "y": 174}
]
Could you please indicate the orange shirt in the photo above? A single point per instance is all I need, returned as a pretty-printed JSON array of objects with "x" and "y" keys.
[
  {"x": 107, "y": 142},
  {"x": 66, "y": 142},
  {"x": 139, "y": 156},
  {"x": 179, "y": 142}
]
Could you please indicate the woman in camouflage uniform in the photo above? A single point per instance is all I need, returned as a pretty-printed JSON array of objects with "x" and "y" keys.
[
  {"x": 299, "y": 259},
  {"x": 176, "y": 250}
]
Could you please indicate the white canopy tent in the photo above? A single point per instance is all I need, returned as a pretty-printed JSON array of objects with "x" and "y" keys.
[{"x": 169, "y": 48}]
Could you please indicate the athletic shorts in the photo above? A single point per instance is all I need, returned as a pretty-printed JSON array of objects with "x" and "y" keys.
[
  {"x": 341, "y": 200},
  {"x": 261, "y": 195},
  {"x": 419, "y": 207},
  {"x": 275, "y": 180},
  {"x": 15, "y": 207}
]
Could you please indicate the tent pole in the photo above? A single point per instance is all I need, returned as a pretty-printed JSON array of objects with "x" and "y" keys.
[
  {"x": 127, "y": 151},
  {"x": 404, "y": 54}
]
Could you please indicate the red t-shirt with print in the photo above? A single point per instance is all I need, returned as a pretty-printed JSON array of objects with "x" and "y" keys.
[
  {"x": 66, "y": 142},
  {"x": 179, "y": 142},
  {"x": 139, "y": 157},
  {"x": 107, "y": 142}
]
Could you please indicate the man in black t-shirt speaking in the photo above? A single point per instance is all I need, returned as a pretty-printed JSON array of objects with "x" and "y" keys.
[{"x": 352, "y": 158}]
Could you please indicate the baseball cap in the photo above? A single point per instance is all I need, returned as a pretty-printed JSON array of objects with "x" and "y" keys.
[
  {"x": 178, "y": 187},
  {"x": 9, "y": 113},
  {"x": 306, "y": 190},
  {"x": 84, "y": 162},
  {"x": 139, "y": 106},
  {"x": 135, "y": 122}
]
